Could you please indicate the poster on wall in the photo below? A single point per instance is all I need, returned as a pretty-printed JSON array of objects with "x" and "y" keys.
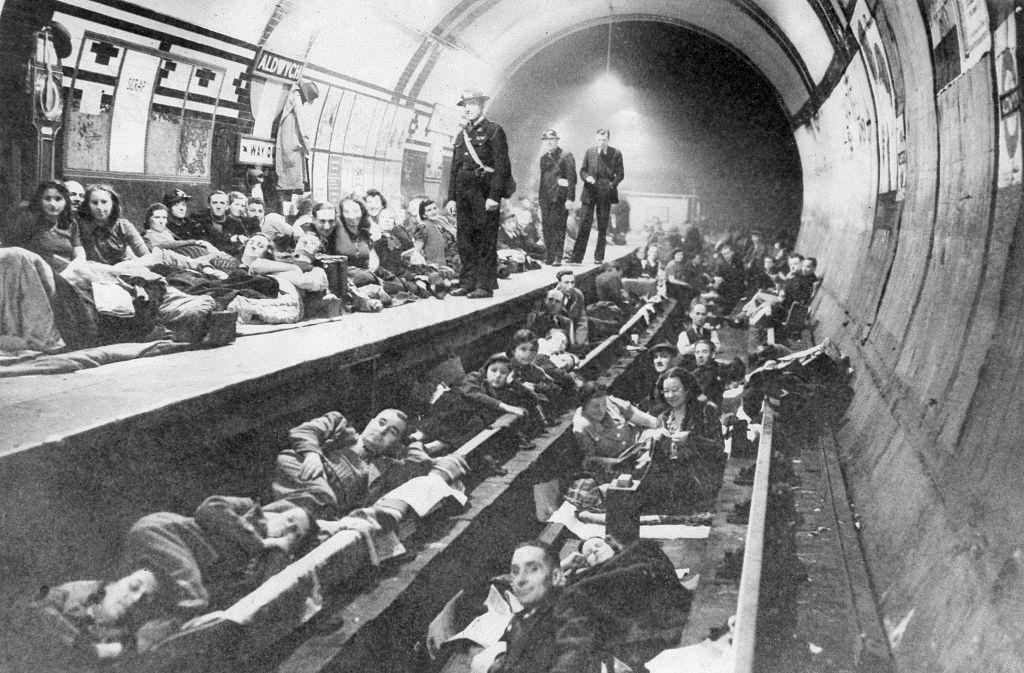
[
  {"x": 883, "y": 92},
  {"x": 959, "y": 31},
  {"x": 1008, "y": 83},
  {"x": 414, "y": 168},
  {"x": 131, "y": 114}
]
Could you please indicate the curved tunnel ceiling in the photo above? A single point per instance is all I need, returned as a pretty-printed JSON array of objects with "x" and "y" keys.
[{"x": 482, "y": 40}]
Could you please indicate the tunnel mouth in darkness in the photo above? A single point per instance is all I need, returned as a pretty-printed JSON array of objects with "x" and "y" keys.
[{"x": 691, "y": 115}]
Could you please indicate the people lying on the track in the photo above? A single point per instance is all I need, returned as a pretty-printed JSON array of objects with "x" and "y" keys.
[
  {"x": 641, "y": 270},
  {"x": 708, "y": 372},
  {"x": 545, "y": 635},
  {"x": 172, "y": 568},
  {"x": 613, "y": 436},
  {"x": 626, "y": 606},
  {"x": 575, "y": 306},
  {"x": 633, "y": 587},
  {"x": 761, "y": 277},
  {"x": 457, "y": 414},
  {"x": 680, "y": 283},
  {"x": 693, "y": 240},
  {"x": 553, "y": 354},
  {"x": 664, "y": 356},
  {"x": 549, "y": 315},
  {"x": 494, "y": 389},
  {"x": 754, "y": 252},
  {"x": 342, "y": 469},
  {"x": 789, "y": 381},
  {"x": 554, "y": 388},
  {"x": 510, "y": 237},
  {"x": 47, "y": 226},
  {"x": 613, "y": 306},
  {"x": 779, "y": 253},
  {"x": 633, "y": 265},
  {"x": 159, "y": 235},
  {"x": 608, "y": 285},
  {"x": 691, "y": 471},
  {"x": 728, "y": 279},
  {"x": 771, "y": 309},
  {"x": 696, "y": 329}
]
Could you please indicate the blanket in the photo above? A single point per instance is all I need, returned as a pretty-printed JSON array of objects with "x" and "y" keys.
[{"x": 89, "y": 358}]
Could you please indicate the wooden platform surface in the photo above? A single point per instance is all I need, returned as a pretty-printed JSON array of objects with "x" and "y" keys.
[{"x": 44, "y": 410}]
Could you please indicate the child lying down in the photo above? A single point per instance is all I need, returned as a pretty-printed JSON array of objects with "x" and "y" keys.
[{"x": 173, "y": 568}]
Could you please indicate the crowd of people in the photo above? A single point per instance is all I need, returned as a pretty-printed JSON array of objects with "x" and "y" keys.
[
  {"x": 743, "y": 279},
  {"x": 174, "y": 567},
  {"x": 608, "y": 604},
  {"x": 77, "y": 273}
]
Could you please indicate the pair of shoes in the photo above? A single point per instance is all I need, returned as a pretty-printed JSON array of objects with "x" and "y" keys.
[
  {"x": 460, "y": 292},
  {"x": 479, "y": 293}
]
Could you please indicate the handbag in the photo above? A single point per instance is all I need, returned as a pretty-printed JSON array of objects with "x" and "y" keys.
[{"x": 510, "y": 184}]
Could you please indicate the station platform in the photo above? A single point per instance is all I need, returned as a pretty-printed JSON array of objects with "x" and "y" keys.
[
  {"x": 44, "y": 410},
  {"x": 83, "y": 455}
]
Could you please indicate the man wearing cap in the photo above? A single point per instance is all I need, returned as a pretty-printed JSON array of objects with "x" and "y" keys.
[
  {"x": 663, "y": 358},
  {"x": 557, "y": 193},
  {"x": 480, "y": 176},
  {"x": 601, "y": 172},
  {"x": 178, "y": 221}
]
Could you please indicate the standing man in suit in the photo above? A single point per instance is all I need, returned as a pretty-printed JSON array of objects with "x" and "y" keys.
[
  {"x": 557, "y": 193},
  {"x": 481, "y": 175},
  {"x": 601, "y": 172}
]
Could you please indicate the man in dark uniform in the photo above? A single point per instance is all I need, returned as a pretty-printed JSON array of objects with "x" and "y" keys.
[
  {"x": 557, "y": 193},
  {"x": 601, "y": 172},
  {"x": 475, "y": 190}
]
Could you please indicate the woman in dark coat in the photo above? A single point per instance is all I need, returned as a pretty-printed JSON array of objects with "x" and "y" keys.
[{"x": 690, "y": 460}]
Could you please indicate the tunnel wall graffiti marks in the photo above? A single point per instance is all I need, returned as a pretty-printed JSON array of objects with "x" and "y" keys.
[
  {"x": 838, "y": 153},
  {"x": 884, "y": 336},
  {"x": 891, "y": 134},
  {"x": 882, "y": 94}
]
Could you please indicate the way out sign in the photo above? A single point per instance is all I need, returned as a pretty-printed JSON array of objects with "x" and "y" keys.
[{"x": 254, "y": 150}]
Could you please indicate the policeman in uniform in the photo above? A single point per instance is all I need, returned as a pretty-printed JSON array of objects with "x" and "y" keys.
[
  {"x": 557, "y": 193},
  {"x": 475, "y": 190}
]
